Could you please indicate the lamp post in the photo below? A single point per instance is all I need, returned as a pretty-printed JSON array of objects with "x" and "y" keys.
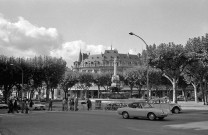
[
  {"x": 148, "y": 94},
  {"x": 22, "y": 77}
]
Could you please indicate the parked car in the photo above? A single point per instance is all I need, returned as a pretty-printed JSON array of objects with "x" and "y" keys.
[
  {"x": 3, "y": 105},
  {"x": 142, "y": 109},
  {"x": 180, "y": 98},
  {"x": 163, "y": 103},
  {"x": 38, "y": 106}
]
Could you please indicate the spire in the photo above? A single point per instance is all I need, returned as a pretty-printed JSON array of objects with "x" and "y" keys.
[
  {"x": 111, "y": 46},
  {"x": 80, "y": 56}
]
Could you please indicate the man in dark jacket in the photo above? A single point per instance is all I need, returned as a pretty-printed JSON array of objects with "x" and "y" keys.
[
  {"x": 16, "y": 106},
  {"x": 50, "y": 105},
  {"x": 11, "y": 106},
  {"x": 89, "y": 104}
]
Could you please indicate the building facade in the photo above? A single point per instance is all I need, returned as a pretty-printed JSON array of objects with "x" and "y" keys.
[{"x": 104, "y": 62}]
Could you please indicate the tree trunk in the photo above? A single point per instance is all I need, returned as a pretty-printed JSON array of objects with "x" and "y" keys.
[
  {"x": 184, "y": 94},
  {"x": 202, "y": 90},
  {"x": 47, "y": 92},
  {"x": 174, "y": 90},
  {"x": 98, "y": 91},
  {"x": 131, "y": 91},
  {"x": 195, "y": 93}
]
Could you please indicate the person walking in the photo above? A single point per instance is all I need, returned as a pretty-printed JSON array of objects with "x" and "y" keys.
[
  {"x": 27, "y": 106},
  {"x": 50, "y": 105},
  {"x": 16, "y": 106},
  {"x": 11, "y": 106},
  {"x": 23, "y": 104},
  {"x": 63, "y": 104},
  {"x": 31, "y": 104},
  {"x": 72, "y": 104},
  {"x": 76, "y": 104},
  {"x": 89, "y": 104}
]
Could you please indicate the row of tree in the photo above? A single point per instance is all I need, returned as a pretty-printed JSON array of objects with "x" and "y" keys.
[
  {"x": 30, "y": 74},
  {"x": 170, "y": 65}
]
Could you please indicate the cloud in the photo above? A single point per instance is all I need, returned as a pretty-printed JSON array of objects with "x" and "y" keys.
[
  {"x": 70, "y": 50},
  {"x": 133, "y": 51},
  {"x": 22, "y": 37}
]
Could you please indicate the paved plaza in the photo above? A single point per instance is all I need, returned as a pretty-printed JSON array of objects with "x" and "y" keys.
[{"x": 192, "y": 121}]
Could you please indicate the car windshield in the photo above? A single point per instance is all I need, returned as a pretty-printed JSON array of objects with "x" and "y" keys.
[
  {"x": 140, "y": 105},
  {"x": 37, "y": 102},
  {"x": 146, "y": 105},
  {"x": 158, "y": 101}
]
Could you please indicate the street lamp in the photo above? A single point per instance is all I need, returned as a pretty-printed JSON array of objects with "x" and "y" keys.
[
  {"x": 22, "y": 77},
  {"x": 131, "y": 33}
]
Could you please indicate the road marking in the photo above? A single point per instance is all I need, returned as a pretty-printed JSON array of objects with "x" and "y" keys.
[
  {"x": 137, "y": 129},
  {"x": 203, "y": 125}
]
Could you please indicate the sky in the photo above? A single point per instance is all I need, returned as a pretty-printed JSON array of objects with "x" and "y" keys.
[{"x": 61, "y": 28}]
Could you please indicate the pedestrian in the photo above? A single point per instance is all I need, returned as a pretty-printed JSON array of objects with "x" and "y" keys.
[
  {"x": 89, "y": 104},
  {"x": 11, "y": 106},
  {"x": 50, "y": 105},
  {"x": 23, "y": 104},
  {"x": 31, "y": 104},
  {"x": 75, "y": 104},
  {"x": 16, "y": 106},
  {"x": 63, "y": 104},
  {"x": 26, "y": 106},
  {"x": 72, "y": 104}
]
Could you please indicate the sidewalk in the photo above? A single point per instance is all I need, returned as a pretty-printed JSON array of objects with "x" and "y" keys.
[{"x": 191, "y": 105}]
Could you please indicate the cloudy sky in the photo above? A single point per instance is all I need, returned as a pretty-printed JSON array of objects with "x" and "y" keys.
[{"x": 61, "y": 28}]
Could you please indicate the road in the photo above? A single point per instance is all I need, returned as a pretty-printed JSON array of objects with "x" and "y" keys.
[{"x": 189, "y": 122}]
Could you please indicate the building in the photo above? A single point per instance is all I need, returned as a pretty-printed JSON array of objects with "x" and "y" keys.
[
  {"x": 101, "y": 63},
  {"x": 104, "y": 62}
]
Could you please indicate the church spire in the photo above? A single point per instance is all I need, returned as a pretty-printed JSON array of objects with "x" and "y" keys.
[{"x": 80, "y": 56}]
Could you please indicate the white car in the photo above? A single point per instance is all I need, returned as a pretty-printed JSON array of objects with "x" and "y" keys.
[
  {"x": 165, "y": 104},
  {"x": 142, "y": 109},
  {"x": 38, "y": 106},
  {"x": 3, "y": 105}
]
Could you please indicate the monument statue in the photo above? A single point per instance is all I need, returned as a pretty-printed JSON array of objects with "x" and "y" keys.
[{"x": 115, "y": 78}]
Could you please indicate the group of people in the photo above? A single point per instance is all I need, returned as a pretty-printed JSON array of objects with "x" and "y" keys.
[
  {"x": 72, "y": 104},
  {"x": 14, "y": 105}
]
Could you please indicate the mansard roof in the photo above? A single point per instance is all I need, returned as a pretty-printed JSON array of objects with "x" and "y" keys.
[{"x": 109, "y": 55}]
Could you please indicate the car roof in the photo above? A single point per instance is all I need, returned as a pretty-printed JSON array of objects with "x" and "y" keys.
[{"x": 138, "y": 102}]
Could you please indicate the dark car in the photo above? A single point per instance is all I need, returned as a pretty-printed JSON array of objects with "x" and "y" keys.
[{"x": 3, "y": 105}]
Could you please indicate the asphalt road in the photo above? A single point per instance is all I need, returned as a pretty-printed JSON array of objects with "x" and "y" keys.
[{"x": 189, "y": 122}]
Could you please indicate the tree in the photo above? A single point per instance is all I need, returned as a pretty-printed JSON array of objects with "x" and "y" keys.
[
  {"x": 70, "y": 78},
  {"x": 53, "y": 70},
  {"x": 85, "y": 82},
  {"x": 196, "y": 71},
  {"x": 6, "y": 79},
  {"x": 136, "y": 77},
  {"x": 182, "y": 83},
  {"x": 171, "y": 60}
]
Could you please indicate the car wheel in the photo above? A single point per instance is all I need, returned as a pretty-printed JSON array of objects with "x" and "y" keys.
[
  {"x": 161, "y": 118},
  {"x": 176, "y": 110},
  {"x": 151, "y": 116},
  {"x": 125, "y": 115}
]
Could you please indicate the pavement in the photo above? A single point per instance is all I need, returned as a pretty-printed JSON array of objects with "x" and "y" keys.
[{"x": 192, "y": 105}]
